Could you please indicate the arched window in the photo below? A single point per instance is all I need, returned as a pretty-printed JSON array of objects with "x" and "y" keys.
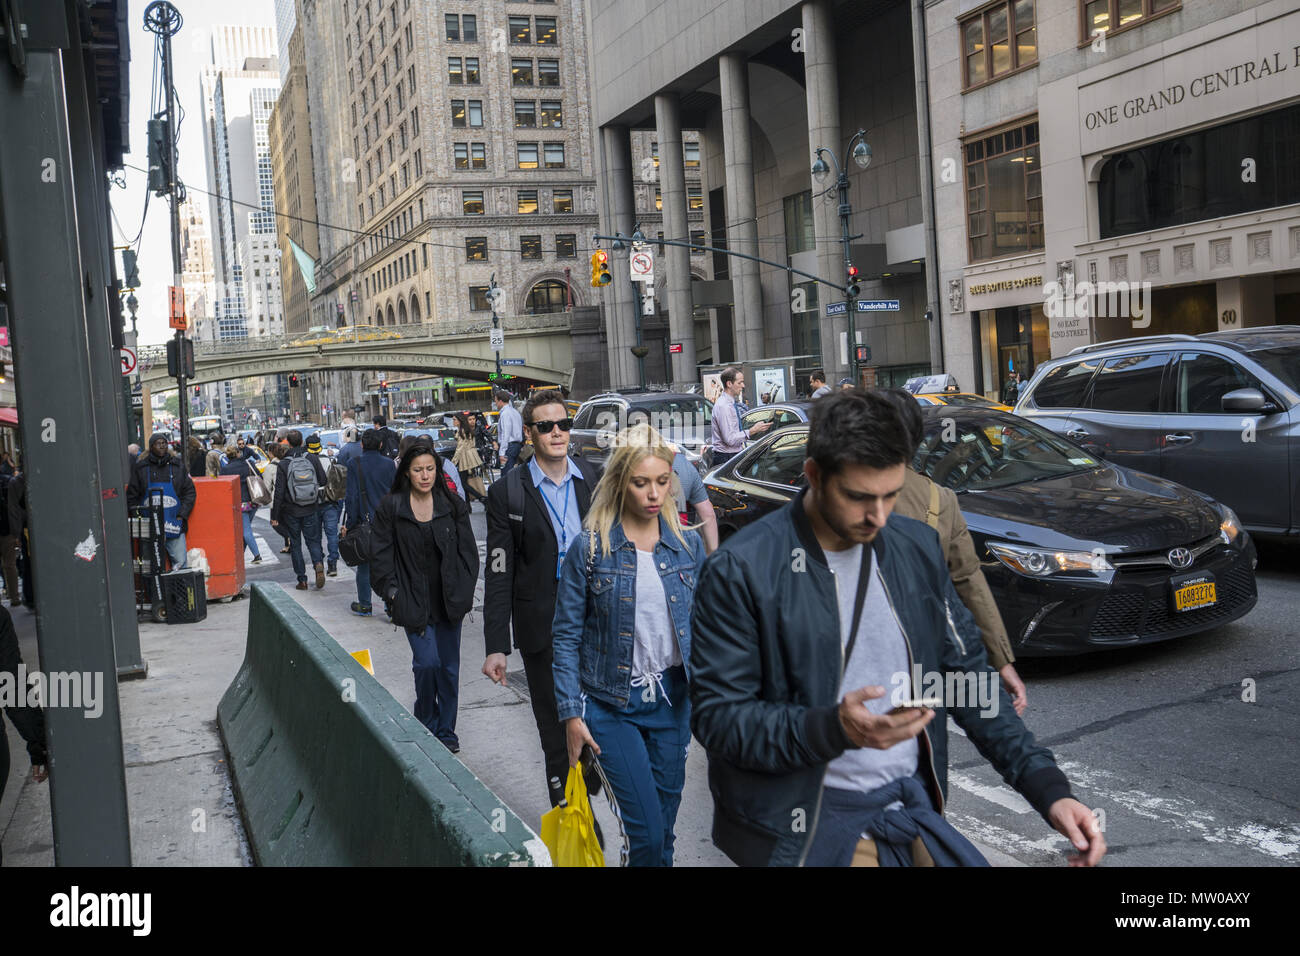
[
  {"x": 415, "y": 308},
  {"x": 379, "y": 316},
  {"x": 401, "y": 311},
  {"x": 391, "y": 319},
  {"x": 545, "y": 297}
]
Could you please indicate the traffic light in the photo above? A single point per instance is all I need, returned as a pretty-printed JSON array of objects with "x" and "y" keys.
[
  {"x": 383, "y": 385},
  {"x": 855, "y": 281},
  {"x": 600, "y": 269},
  {"x": 293, "y": 381},
  {"x": 130, "y": 272},
  {"x": 173, "y": 367},
  {"x": 160, "y": 177},
  {"x": 198, "y": 390}
]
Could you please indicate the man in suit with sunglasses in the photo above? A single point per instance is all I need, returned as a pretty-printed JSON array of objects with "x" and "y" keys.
[{"x": 534, "y": 514}]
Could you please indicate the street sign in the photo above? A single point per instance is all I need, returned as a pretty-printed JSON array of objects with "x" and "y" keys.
[
  {"x": 497, "y": 340},
  {"x": 642, "y": 264},
  {"x": 128, "y": 361},
  {"x": 674, "y": 348},
  {"x": 512, "y": 361},
  {"x": 837, "y": 308},
  {"x": 877, "y": 305},
  {"x": 176, "y": 294}
]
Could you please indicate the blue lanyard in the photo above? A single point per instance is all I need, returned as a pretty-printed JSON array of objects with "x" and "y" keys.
[{"x": 564, "y": 531}]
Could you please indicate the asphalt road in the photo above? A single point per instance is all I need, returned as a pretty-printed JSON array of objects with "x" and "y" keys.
[{"x": 1184, "y": 770}]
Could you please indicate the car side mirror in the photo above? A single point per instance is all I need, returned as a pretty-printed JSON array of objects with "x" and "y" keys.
[{"x": 1246, "y": 400}]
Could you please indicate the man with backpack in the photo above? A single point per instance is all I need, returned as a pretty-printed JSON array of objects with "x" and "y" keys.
[
  {"x": 370, "y": 477},
  {"x": 332, "y": 495},
  {"x": 296, "y": 504},
  {"x": 388, "y": 440},
  {"x": 534, "y": 513}
]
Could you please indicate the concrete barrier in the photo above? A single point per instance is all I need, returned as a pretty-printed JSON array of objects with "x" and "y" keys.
[{"x": 329, "y": 769}]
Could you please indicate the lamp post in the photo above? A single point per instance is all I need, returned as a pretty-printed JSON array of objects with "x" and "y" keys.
[{"x": 860, "y": 150}]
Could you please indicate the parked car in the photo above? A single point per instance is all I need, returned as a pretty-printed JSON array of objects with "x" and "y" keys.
[
  {"x": 1218, "y": 412},
  {"x": 1081, "y": 554},
  {"x": 685, "y": 420}
]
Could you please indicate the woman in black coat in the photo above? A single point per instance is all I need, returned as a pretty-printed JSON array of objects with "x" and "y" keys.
[
  {"x": 424, "y": 564},
  {"x": 241, "y": 469}
]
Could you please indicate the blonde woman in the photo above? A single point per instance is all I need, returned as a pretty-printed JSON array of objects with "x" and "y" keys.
[{"x": 632, "y": 572}]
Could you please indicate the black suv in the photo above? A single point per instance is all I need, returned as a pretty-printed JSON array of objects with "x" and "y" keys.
[
  {"x": 1218, "y": 412},
  {"x": 683, "y": 419}
]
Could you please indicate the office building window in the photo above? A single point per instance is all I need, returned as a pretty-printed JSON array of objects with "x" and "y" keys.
[
  {"x": 478, "y": 300},
  {"x": 566, "y": 246},
  {"x": 478, "y": 155},
  {"x": 698, "y": 239},
  {"x": 525, "y": 114},
  {"x": 695, "y": 198},
  {"x": 521, "y": 30},
  {"x": 469, "y": 27},
  {"x": 460, "y": 153},
  {"x": 472, "y": 71},
  {"x": 552, "y": 114},
  {"x": 659, "y": 199},
  {"x": 521, "y": 72},
  {"x": 562, "y": 201},
  {"x": 553, "y": 154},
  {"x": 548, "y": 72},
  {"x": 546, "y": 297},
  {"x": 530, "y": 247},
  {"x": 547, "y": 32},
  {"x": 1004, "y": 195},
  {"x": 455, "y": 71},
  {"x": 526, "y": 155},
  {"x": 476, "y": 249},
  {"x": 526, "y": 202},
  {"x": 1111, "y": 16},
  {"x": 476, "y": 113},
  {"x": 692, "y": 153},
  {"x": 453, "y": 26},
  {"x": 419, "y": 171},
  {"x": 472, "y": 202},
  {"x": 998, "y": 40}
]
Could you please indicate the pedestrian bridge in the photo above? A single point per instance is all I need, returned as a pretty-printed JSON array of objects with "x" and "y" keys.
[{"x": 458, "y": 348}]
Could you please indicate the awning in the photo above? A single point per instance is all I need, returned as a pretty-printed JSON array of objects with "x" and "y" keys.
[{"x": 9, "y": 417}]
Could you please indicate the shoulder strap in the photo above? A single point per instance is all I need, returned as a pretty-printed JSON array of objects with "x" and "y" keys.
[
  {"x": 515, "y": 506},
  {"x": 932, "y": 513},
  {"x": 864, "y": 579}
]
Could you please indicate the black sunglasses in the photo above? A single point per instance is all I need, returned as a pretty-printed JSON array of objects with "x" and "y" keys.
[{"x": 544, "y": 428}]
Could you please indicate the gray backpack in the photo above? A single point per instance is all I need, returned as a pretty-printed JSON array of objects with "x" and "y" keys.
[{"x": 304, "y": 489}]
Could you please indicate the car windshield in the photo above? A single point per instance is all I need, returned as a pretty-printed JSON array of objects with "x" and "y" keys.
[
  {"x": 672, "y": 414},
  {"x": 1284, "y": 362},
  {"x": 978, "y": 453}
]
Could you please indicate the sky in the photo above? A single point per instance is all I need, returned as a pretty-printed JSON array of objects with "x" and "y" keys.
[{"x": 191, "y": 51}]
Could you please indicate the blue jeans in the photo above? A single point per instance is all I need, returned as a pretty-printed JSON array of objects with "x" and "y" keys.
[
  {"x": 363, "y": 584},
  {"x": 643, "y": 752},
  {"x": 250, "y": 542},
  {"x": 297, "y": 528},
  {"x": 512, "y": 456},
  {"x": 176, "y": 551},
  {"x": 435, "y": 660},
  {"x": 329, "y": 516}
]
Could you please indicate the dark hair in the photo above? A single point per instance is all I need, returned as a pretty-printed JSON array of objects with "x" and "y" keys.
[
  {"x": 818, "y": 375},
  {"x": 295, "y": 437},
  {"x": 909, "y": 414},
  {"x": 402, "y": 480},
  {"x": 462, "y": 425},
  {"x": 543, "y": 396},
  {"x": 404, "y": 443},
  {"x": 853, "y": 427},
  {"x": 379, "y": 421},
  {"x": 729, "y": 374},
  {"x": 371, "y": 440},
  {"x": 501, "y": 395}
]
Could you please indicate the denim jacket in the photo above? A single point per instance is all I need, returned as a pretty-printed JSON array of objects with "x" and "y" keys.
[{"x": 594, "y": 621}]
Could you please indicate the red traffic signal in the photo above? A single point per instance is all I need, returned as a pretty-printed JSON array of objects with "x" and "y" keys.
[{"x": 855, "y": 281}]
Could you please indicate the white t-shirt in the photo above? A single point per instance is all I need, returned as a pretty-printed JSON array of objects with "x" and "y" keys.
[
  {"x": 879, "y": 653},
  {"x": 654, "y": 647}
]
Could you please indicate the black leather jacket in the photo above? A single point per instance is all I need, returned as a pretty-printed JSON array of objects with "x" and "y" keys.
[{"x": 767, "y": 667}]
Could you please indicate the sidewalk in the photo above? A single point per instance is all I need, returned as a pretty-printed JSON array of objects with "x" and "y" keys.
[{"x": 181, "y": 805}]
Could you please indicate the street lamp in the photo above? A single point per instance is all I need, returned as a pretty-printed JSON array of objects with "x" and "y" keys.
[{"x": 860, "y": 150}]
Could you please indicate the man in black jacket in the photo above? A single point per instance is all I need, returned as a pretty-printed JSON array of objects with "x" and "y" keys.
[
  {"x": 162, "y": 470},
  {"x": 388, "y": 440},
  {"x": 526, "y": 540},
  {"x": 300, "y": 518},
  {"x": 799, "y": 623}
]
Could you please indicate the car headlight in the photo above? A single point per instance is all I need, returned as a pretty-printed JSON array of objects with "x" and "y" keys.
[
  {"x": 1042, "y": 562},
  {"x": 1230, "y": 526}
]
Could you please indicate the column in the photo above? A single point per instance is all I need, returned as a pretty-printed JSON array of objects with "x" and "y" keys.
[
  {"x": 672, "y": 175},
  {"x": 619, "y": 211},
  {"x": 742, "y": 206},
  {"x": 822, "y": 84}
]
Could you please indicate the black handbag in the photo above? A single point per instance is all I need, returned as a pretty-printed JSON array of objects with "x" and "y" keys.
[{"x": 356, "y": 545}]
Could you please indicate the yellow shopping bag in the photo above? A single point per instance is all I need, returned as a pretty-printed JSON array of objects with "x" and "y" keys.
[{"x": 569, "y": 831}]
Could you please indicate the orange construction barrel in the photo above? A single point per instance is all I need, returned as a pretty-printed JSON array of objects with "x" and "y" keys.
[{"x": 217, "y": 527}]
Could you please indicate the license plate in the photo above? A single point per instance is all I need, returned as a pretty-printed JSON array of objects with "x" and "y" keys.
[{"x": 1194, "y": 591}]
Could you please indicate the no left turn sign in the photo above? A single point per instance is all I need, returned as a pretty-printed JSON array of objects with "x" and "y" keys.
[{"x": 128, "y": 361}]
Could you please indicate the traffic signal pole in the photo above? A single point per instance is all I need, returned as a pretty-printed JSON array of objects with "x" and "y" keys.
[{"x": 162, "y": 18}]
